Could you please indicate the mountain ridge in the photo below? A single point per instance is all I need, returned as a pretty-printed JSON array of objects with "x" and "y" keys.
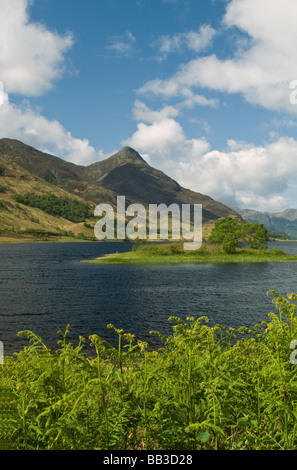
[
  {"x": 283, "y": 222},
  {"x": 125, "y": 173}
]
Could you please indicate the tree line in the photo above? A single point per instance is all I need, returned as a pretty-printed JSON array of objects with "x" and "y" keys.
[{"x": 68, "y": 208}]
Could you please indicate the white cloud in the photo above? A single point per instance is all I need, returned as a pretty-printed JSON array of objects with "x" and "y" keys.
[
  {"x": 161, "y": 138},
  {"x": 141, "y": 112},
  {"x": 244, "y": 175},
  {"x": 195, "y": 41},
  {"x": 191, "y": 99},
  {"x": 171, "y": 87},
  {"x": 122, "y": 45},
  {"x": 261, "y": 69},
  {"x": 160, "y": 135},
  {"x": 3, "y": 95},
  {"x": 261, "y": 72},
  {"x": 31, "y": 56},
  {"x": 31, "y": 59},
  {"x": 258, "y": 177},
  {"x": 29, "y": 126}
]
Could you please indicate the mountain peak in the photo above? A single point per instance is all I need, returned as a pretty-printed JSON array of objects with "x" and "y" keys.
[{"x": 128, "y": 154}]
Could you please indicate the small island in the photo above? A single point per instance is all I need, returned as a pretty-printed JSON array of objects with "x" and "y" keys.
[
  {"x": 174, "y": 254},
  {"x": 230, "y": 241}
]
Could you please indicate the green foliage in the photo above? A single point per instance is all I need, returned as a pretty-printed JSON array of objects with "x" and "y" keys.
[
  {"x": 206, "y": 388},
  {"x": 230, "y": 243},
  {"x": 255, "y": 234},
  {"x": 277, "y": 251},
  {"x": 138, "y": 244},
  {"x": 33, "y": 219},
  {"x": 69, "y": 209},
  {"x": 230, "y": 232},
  {"x": 159, "y": 249},
  {"x": 37, "y": 233},
  {"x": 2, "y": 171}
]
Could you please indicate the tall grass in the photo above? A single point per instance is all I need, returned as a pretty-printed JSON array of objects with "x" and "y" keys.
[{"x": 205, "y": 388}]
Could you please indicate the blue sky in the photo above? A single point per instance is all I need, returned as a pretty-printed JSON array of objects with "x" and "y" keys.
[{"x": 201, "y": 89}]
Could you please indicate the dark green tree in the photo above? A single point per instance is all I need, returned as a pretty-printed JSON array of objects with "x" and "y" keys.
[
  {"x": 230, "y": 231},
  {"x": 227, "y": 231},
  {"x": 256, "y": 235}
]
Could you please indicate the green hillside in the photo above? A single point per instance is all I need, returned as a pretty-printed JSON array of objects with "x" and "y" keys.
[
  {"x": 21, "y": 219},
  {"x": 43, "y": 196}
]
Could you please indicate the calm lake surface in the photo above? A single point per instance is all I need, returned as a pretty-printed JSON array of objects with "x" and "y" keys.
[{"x": 43, "y": 287}]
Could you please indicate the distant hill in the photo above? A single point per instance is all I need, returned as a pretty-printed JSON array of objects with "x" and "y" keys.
[
  {"x": 282, "y": 223},
  {"x": 27, "y": 170}
]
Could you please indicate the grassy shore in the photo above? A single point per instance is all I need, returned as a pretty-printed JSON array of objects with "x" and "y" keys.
[{"x": 174, "y": 254}]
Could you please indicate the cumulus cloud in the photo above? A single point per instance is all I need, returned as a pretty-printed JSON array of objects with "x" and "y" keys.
[
  {"x": 244, "y": 175},
  {"x": 3, "y": 95},
  {"x": 31, "y": 59},
  {"x": 24, "y": 123},
  {"x": 159, "y": 135},
  {"x": 141, "y": 112},
  {"x": 31, "y": 56},
  {"x": 261, "y": 72},
  {"x": 261, "y": 69}
]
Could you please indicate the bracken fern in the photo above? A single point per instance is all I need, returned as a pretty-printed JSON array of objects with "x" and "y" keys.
[{"x": 205, "y": 388}]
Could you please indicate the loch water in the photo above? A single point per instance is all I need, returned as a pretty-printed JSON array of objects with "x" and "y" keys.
[{"x": 44, "y": 287}]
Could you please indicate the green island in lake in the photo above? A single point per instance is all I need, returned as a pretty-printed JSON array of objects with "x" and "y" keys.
[
  {"x": 174, "y": 253},
  {"x": 230, "y": 241}
]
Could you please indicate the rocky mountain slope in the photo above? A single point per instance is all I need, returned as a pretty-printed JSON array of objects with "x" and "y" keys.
[{"x": 29, "y": 171}]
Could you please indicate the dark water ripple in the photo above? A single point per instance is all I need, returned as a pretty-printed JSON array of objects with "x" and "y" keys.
[{"x": 44, "y": 286}]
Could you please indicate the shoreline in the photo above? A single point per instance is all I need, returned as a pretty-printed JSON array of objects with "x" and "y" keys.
[
  {"x": 62, "y": 239},
  {"x": 145, "y": 258},
  {"x": 11, "y": 241}
]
